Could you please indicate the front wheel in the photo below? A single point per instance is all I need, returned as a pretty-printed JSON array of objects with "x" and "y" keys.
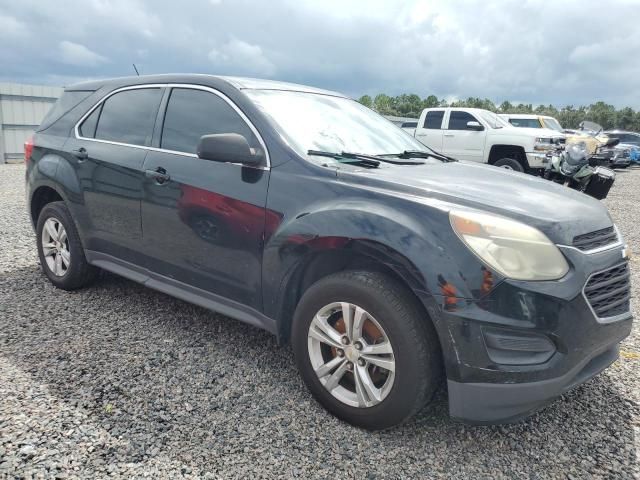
[
  {"x": 365, "y": 349},
  {"x": 509, "y": 164}
]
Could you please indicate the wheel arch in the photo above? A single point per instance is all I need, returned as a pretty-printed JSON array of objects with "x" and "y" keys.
[
  {"x": 41, "y": 196},
  {"x": 500, "y": 151},
  {"x": 354, "y": 255}
]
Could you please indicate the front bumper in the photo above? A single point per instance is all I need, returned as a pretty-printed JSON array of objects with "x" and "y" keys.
[
  {"x": 489, "y": 385},
  {"x": 537, "y": 159},
  {"x": 491, "y": 403}
]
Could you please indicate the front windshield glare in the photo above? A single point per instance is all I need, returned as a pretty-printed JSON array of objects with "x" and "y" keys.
[
  {"x": 310, "y": 121},
  {"x": 553, "y": 124},
  {"x": 493, "y": 120}
]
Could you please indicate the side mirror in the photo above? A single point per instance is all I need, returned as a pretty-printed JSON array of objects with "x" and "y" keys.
[
  {"x": 474, "y": 126},
  {"x": 228, "y": 147}
]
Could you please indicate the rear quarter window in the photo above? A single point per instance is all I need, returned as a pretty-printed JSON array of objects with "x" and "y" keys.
[{"x": 65, "y": 103}]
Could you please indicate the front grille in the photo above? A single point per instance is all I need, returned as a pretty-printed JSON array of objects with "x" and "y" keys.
[
  {"x": 609, "y": 292},
  {"x": 599, "y": 238}
]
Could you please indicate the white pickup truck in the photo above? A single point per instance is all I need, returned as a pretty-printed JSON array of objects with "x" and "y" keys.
[{"x": 482, "y": 136}]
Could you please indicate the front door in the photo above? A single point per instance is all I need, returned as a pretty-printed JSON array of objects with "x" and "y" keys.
[
  {"x": 461, "y": 142},
  {"x": 203, "y": 221}
]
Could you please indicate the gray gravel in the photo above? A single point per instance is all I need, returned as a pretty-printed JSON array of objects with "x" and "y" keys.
[{"x": 118, "y": 380}]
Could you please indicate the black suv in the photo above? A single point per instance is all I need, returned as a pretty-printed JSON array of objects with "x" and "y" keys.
[{"x": 297, "y": 210}]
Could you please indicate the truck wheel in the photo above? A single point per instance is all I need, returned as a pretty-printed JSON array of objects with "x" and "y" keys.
[
  {"x": 59, "y": 248},
  {"x": 365, "y": 349},
  {"x": 509, "y": 164}
]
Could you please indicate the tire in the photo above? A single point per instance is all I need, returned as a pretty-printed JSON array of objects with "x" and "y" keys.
[
  {"x": 509, "y": 164},
  {"x": 74, "y": 271},
  {"x": 416, "y": 350}
]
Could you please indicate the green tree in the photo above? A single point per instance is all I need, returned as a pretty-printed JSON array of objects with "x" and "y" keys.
[
  {"x": 366, "y": 101},
  {"x": 506, "y": 107},
  {"x": 383, "y": 104}
]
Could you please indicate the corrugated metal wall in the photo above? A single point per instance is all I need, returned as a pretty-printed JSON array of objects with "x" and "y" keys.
[{"x": 22, "y": 108}]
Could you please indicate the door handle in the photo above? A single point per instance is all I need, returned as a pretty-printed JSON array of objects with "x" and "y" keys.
[
  {"x": 160, "y": 175},
  {"x": 81, "y": 154},
  {"x": 449, "y": 135}
]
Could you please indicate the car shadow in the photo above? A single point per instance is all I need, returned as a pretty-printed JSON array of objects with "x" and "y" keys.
[{"x": 178, "y": 381}]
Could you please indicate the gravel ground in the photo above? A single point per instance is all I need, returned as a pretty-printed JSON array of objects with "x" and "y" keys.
[{"x": 118, "y": 380}]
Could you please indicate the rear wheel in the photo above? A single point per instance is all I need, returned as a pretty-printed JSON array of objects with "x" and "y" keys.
[
  {"x": 59, "y": 248},
  {"x": 365, "y": 349},
  {"x": 509, "y": 164}
]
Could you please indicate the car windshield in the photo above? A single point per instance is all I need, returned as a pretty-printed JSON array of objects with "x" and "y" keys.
[
  {"x": 525, "y": 122},
  {"x": 553, "y": 124},
  {"x": 492, "y": 119},
  {"x": 311, "y": 121}
]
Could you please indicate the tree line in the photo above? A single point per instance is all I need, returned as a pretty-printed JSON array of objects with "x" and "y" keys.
[{"x": 410, "y": 105}]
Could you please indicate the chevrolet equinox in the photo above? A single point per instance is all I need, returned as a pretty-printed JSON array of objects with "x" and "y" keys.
[{"x": 389, "y": 267}]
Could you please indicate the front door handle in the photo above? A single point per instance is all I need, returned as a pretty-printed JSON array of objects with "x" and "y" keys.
[
  {"x": 160, "y": 175},
  {"x": 81, "y": 154},
  {"x": 449, "y": 135}
]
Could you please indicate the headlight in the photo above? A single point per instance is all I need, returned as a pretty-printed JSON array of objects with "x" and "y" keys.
[
  {"x": 577, "y": 151},
  {"x": 512, "y": 248},
  {"x": 543, "y": 144}
]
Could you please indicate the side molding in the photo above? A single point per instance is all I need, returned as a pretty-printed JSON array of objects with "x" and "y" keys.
[{"x": 180, "y": 290}]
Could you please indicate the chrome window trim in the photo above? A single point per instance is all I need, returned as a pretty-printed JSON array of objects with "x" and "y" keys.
[
  {"x": 191, "y": 86},
  {"x": 615, "y": 318}
]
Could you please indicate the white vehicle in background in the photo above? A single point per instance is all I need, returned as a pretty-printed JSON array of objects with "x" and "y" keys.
[
  {"x": 529, "y": 120},
  {"x": 410, "y": 126},
  {"x": 482, "y": 136}
]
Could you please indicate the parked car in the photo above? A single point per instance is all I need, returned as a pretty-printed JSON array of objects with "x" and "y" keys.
[
  {"x": 482, "y": 136},
  {"x": 409, "y": 126},
  {"x": 388, "y": 267},
  {"x": 532, "y": 121},
  {"x": 625, "y": 137}
]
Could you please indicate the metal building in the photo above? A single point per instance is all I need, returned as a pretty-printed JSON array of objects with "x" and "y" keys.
[{"x": 22, "y": 108}]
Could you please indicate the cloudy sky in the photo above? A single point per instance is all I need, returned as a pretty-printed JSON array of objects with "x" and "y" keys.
[{"x": 559, "y": 52}]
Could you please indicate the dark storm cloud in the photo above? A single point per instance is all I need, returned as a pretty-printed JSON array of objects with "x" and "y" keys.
[{"x": 539, "y": 52}]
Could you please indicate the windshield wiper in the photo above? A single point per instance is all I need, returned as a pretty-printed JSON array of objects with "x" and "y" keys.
[
  {"x": 362, "y": 158},
  {"x": 423, "y": 154}
]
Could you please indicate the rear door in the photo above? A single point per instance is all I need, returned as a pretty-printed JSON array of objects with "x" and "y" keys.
[
  {"x": 430, "y": 132},
  {"x": 461, "y": 142},
  {"x": 108, "y": 152},
  {"x": 203, "y": 224}
]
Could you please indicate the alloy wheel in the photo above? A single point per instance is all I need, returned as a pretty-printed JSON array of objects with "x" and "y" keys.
[
  {"x": 55, "y": 247},
  {"x": 351, "y": 354}
]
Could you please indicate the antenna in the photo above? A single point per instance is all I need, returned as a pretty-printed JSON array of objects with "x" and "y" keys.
[{"x": 134, "y": 67}]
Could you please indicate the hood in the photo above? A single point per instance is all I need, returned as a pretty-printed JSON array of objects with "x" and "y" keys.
[{"x": 560, "y": 212}]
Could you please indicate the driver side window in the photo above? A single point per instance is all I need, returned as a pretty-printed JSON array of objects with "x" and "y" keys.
[
  {"x": 193, "y": 113},
  {"x": 458, "y": 120}
]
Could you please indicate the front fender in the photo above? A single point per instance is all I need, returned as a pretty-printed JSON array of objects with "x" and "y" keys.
[{"x": 422, "y": 249}]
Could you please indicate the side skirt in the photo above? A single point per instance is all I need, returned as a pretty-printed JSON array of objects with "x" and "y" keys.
[{"x": 181, "y": 290}]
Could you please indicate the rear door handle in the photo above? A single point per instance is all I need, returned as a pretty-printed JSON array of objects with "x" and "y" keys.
[
  {"x": 160, "y": 175},
  {"x": 81, "y": 154}
]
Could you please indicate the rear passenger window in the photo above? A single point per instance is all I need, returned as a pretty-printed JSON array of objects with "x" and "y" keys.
[
  {"x": 458, "y": 120},
  {"x": 433, "y": 120},
  {"x": 194, "y": 113},
  {"x": 127, "y": 117}
]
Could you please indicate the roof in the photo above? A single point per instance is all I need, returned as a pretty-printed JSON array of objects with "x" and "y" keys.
[
  {"x": 617, "y": 130},
  {"x": 241, "y": 83}
]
